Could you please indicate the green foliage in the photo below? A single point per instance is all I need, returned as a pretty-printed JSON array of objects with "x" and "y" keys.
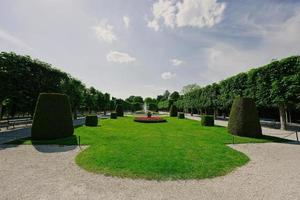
[
  {"x": 174, "y": 96},
  {"x": 207, "y": 120},
  {"x": 181, "y": 115},
  {"x": 22, "y": 79},
  {"x": 91, "y": 120},
  {"x": 113, "y": 115},
  {"x": 119, "y": 110},
  {"x": 244, "y": 120},
  {"x": 52, "y": 118},
  {"x": 152, "y": 107},
  {"x": 173, "y": 111},
  {"x": 274, "y": 85}
]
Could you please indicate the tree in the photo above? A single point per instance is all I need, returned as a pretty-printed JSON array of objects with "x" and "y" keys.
[
  {"x": 74, "y": 89},
  {"x": 166, "y": 95},
  {"x": 188, "y": 88},
  {"x": 174, "y": 96}
]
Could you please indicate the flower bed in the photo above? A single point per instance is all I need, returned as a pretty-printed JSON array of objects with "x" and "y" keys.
[{"x": 146, "y": 119}]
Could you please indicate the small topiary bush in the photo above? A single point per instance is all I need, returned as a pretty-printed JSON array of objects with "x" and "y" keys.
[
  {"x": 91, "y": 120},
  {"x": 181, "y": 115},
  {"x": 119, "y": 110},
  {"x": 52, "y": 117},
  {"x": 243, "y": 119},
  {"x": 173, "y": 111},
  {"x": 113, "y": 115},
  {"x": 207, "y": 120}
]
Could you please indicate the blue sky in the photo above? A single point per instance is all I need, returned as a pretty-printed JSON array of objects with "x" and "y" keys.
[{"x": 136, "y": 47}]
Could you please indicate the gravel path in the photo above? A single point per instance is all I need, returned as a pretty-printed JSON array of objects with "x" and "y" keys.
[{"x": 49, "y": 172}]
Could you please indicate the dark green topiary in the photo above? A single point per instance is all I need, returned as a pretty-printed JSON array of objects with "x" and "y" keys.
[
  {"x": 207, "y": 120},
  {"x": 119, "y": 110},
  {"x": 173, "y": 111},
  {"x": 243, "y": 119},
  {"x": 181, "y": 115},
  {"x": 52, "y": 118},
  {"x": 113, "y": 115},
  {"x": 91, "y": 120}
]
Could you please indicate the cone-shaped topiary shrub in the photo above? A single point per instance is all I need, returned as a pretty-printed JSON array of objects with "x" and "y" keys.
[
  {"x": 207, "y": 120},
  {"x": 173, "y": 111},
  {"x": 52, "y": 117},
  {"x": 181, "y": 115},
  {"x": 243, "y": 119},
  {"x": 119, "y": 110},
  {"x": 113, "y": 115},
  {"x": 91, "y": 120}
]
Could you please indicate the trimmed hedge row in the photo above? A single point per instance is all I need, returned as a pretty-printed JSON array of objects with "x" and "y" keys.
[
  {"x": 91, "y": 120},
  {"x": 207, "y": 120},
  {"x": 52, "y": 117},
  {"x": 243, "y": 119}
]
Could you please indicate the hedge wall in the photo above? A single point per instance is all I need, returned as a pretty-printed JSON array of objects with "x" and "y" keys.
[
  {"x": 173, "y": 111},
  {"x": 91, "y": 120},
  {"x": 52, "y": 118},
  {"x": 119, "y": 111},
  {"x": 207, "y": 120},
  {"x": 243, "y": 119}
]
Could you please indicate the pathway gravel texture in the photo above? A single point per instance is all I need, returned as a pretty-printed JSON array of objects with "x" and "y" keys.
[{"x": 49, "y": 172}]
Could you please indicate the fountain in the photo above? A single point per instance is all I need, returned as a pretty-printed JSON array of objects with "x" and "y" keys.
[
  {"x": 145, "y": 107},
  {"x": 149, "y": 118}
]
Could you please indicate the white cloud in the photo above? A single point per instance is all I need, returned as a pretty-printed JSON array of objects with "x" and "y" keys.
[
  {"x": 4, "y": 35},
  {"x": 176, "y": 62},
  {"x": 126, "y": 21},
  {"x": 153, "y": 24},
  {"x": 194, "y": 13},
  {"x": 119, "y": 57},
  {"x": 104, "y": 32},
  {"x": 168, "y": 75}
]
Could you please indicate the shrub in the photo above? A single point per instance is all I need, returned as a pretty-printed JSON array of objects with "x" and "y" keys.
[
  {"x": 243, "y": 119},
  {"x": 91, "y": 120},
  {"x": 52, "y": 117},
  {"x": 207, "y": 120},
  {"x": 149, "y": 114},
  {"x": 119, "y": 110},
  {"x": 173, "y": 111},
  {"x": 113, "y": 115},
  {"x": 181, "y": 115}
]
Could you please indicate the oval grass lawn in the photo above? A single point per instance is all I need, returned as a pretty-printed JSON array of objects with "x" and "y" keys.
[{"x": 177, "y": 149}]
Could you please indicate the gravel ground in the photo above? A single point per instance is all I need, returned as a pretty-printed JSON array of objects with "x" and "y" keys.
[{"x": 49, "y": 172}]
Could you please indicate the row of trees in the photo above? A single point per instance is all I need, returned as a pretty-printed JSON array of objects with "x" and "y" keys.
[
  {"x": 276, "y": 85},
  {"x": 22, "y": 79}
]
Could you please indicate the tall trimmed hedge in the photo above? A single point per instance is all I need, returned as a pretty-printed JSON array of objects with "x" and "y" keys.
[
  {"x": 243, "y": 119},
  {"x": 119, "y": 110},
  {"x": 207, "y": 120},
  {"x": 173, "y": 111},
  {"x": 113, "y": 115},
  {"x": 52, "y": 118},
  {"x": 181, "y": 115},
  {"x": 91, "y": 120}
]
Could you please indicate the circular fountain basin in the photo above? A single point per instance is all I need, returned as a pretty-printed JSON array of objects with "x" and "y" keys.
[{"x": 145, "y": 119}]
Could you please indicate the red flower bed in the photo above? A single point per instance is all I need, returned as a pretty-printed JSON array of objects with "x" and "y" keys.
[{"x": 149, "y": 119}]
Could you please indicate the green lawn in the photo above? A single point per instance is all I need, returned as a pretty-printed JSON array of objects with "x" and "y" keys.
[{"x": 177, "y": 149}]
